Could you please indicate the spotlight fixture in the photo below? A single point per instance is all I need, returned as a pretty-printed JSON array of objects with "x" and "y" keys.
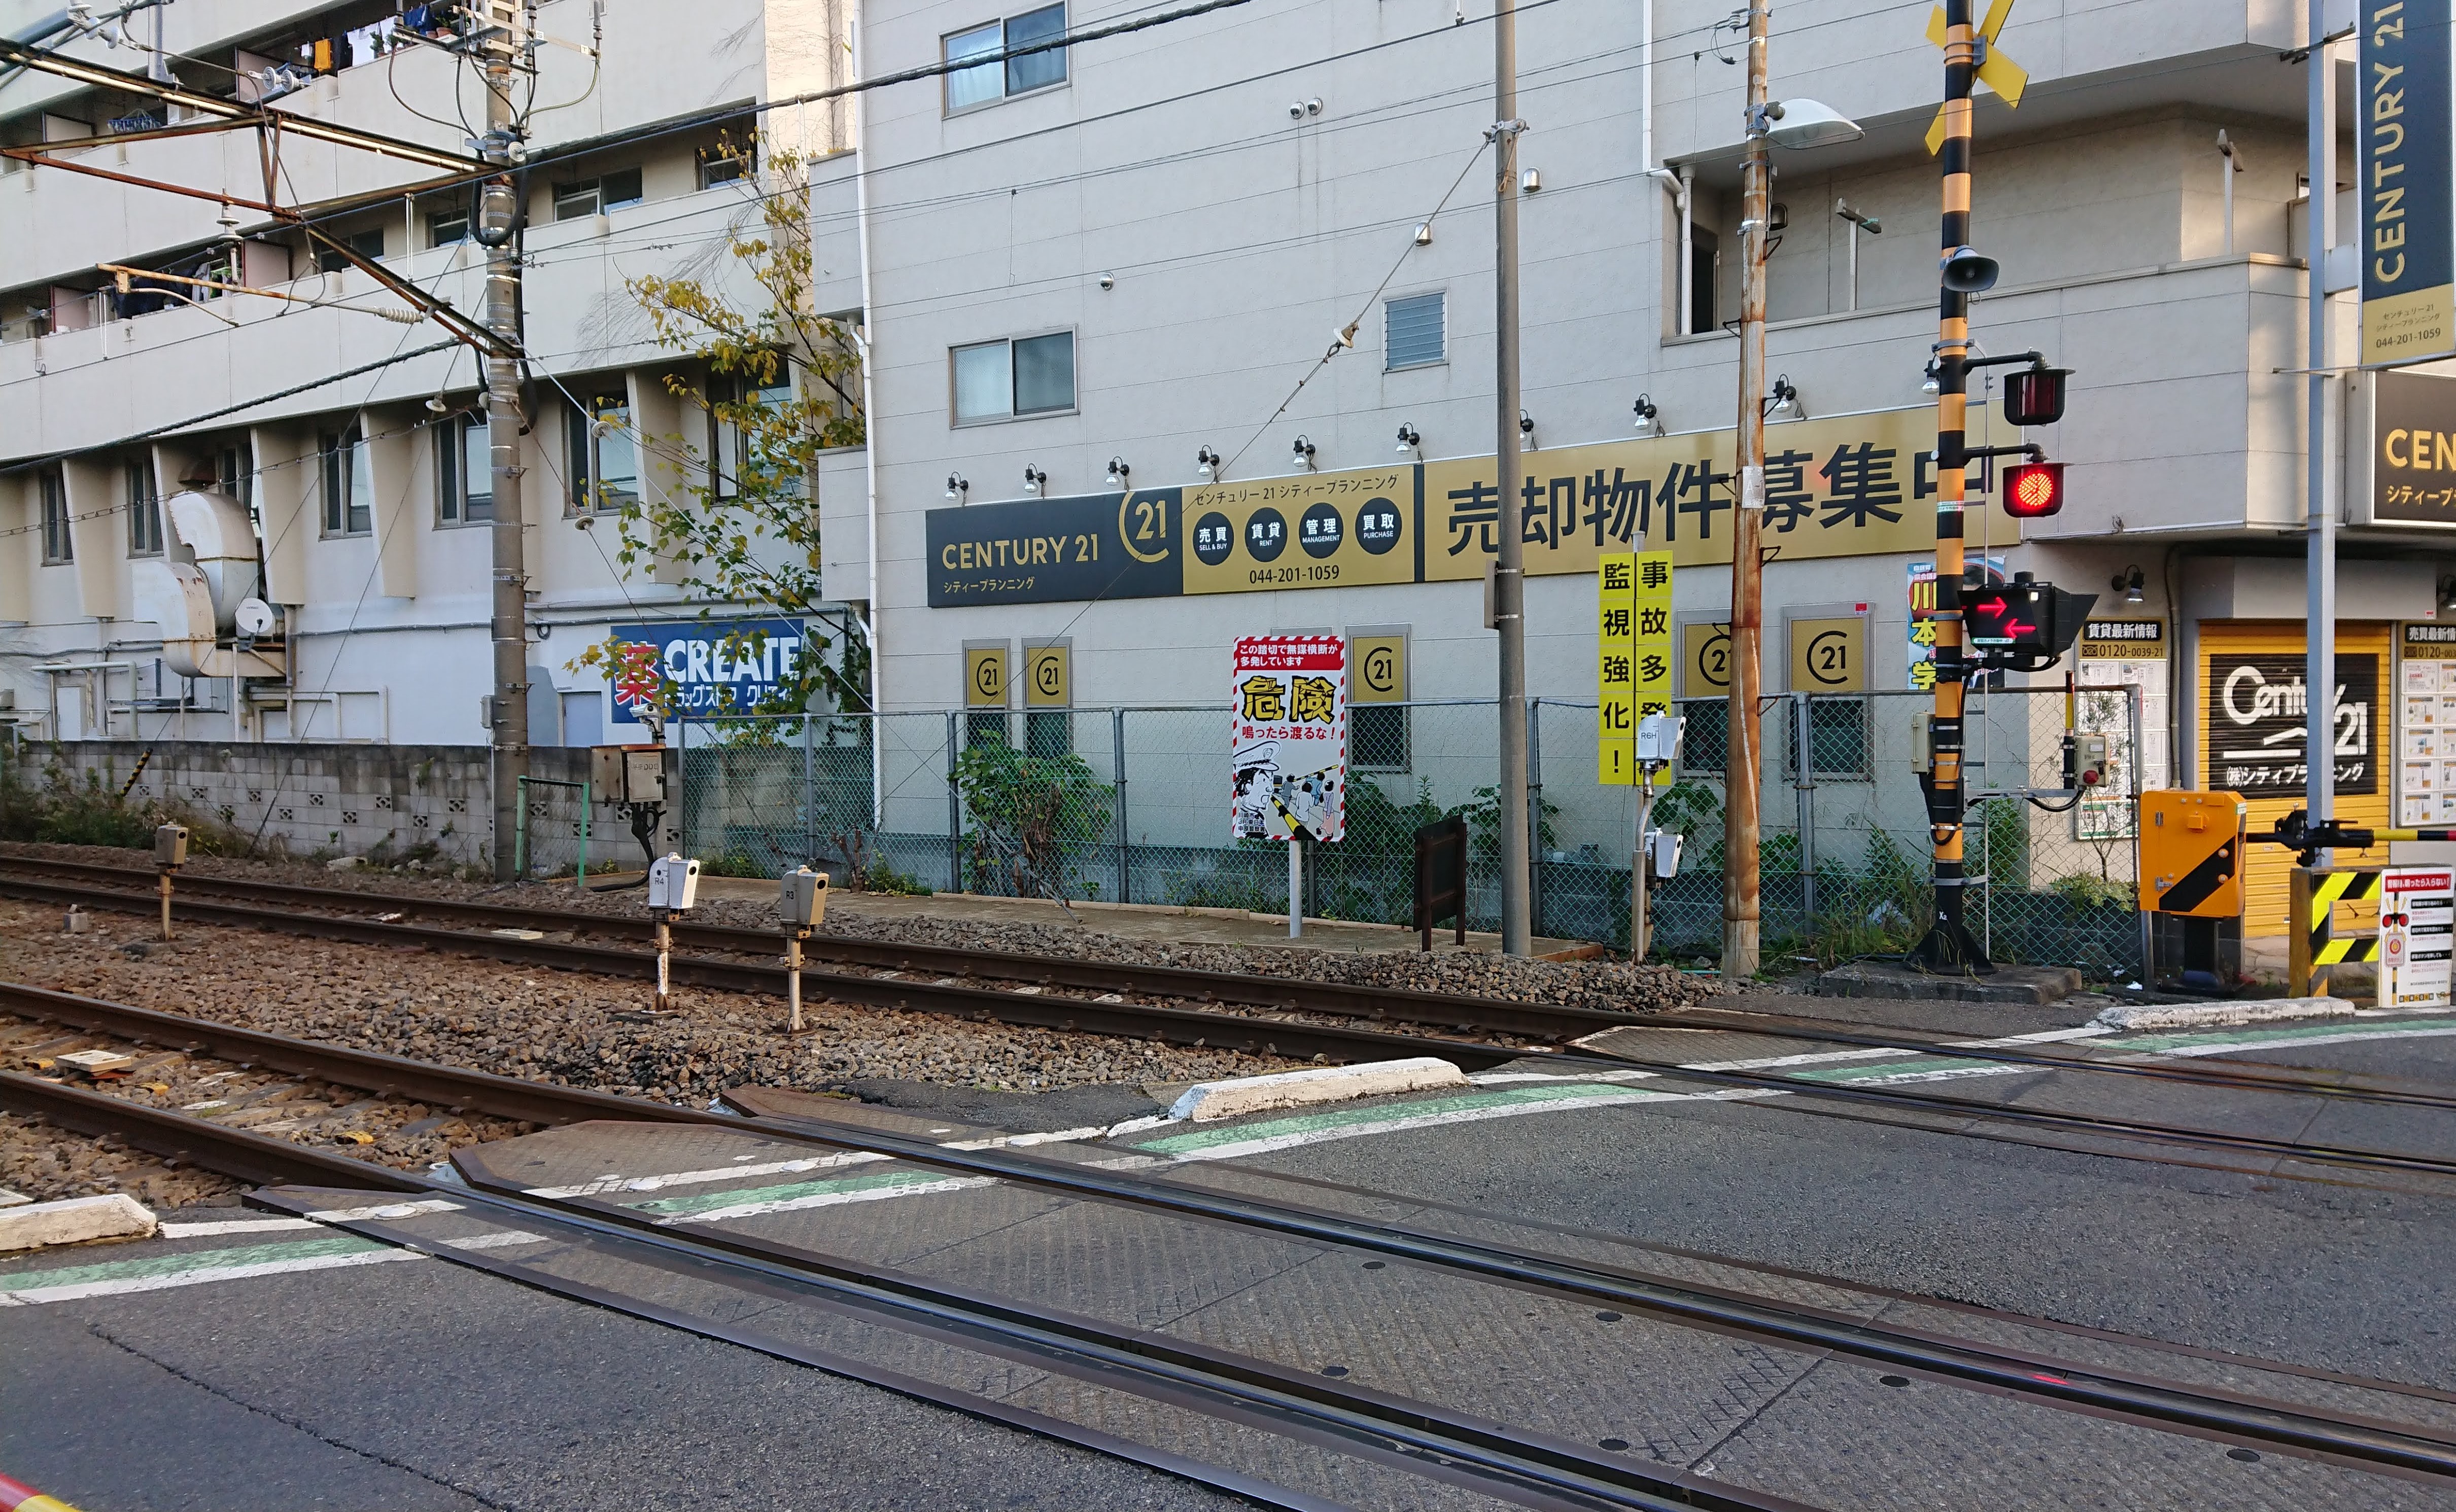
[
  {"x": 1410, "y": 442},
  {"x": 1786, "y": 404},
  {"x": 1531, "y": 181},
  {"x": 959, "y": 487},
  {"x": 1424, "y": 234},
  {"x": 1302, "y": 451},
  {"x": 1934, "y": 379},
  {"x": 1108, "y": 280},
  {"x": 2128, "y": 583},
  {"x": 1119, "y": 472},
  {"x": 438, "y": 404},
  {"x": 1033, "y": 480},
  {"x": 1525, "y": 431},
  {"x": 1206, "y": 464},
  {"x": 1650, "y": 420}
]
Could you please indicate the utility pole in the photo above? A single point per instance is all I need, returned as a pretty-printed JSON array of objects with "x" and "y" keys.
[
  {"x": 1742, "y": 758},
  {"x": 2319, "y": 541},
  {"x": 498, "y": 223},
  {"x": 1509, "y": 573},
  {"x": 1950, "y": 946}
]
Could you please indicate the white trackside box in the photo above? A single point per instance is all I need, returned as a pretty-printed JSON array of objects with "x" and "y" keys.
[
  {"x": 1658, "y": 738},
  {"x": 802, "y": 901},
  {"x": 673, "y": 883},
  {"x": 171, "y": 846}
]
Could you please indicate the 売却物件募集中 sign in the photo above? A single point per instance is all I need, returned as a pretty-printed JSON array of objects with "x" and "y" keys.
[
  {"x": 702, "y": 669},
  {"x": 1835, "y": 486}
]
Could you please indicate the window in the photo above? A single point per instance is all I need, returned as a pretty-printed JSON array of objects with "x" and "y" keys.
[
  {"x": 445, "y": 227},
  {"x": 1705, "y": 751},
  {"x": 368, "y": 244},
  {"x": 594, "y": 196},
  {"x": 1377, "y": 737},
  {"x": 984, "y": 726},
  {"x": 992, "y": 81},
  {"x": 58, "y": 546},
  {"x": 1837, "y": 739},
  {"x": 349, "y": 486},
  {"x": 234, "y": 476},
  {"x": 725, "y": 162},
  {"x": 778, "y": 477},
  {"x": 998, "y": 381},
  {"x": 465, "y": 471},
  {"x": 602, "y": 465},
  {"x": 144, "y": 512},
  {"x": 1412, "y": 330},
  {"x": 1048, "y": 733}
]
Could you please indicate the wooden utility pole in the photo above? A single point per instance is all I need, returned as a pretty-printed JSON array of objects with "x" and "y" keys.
[{"x": 1742, "y": 911}]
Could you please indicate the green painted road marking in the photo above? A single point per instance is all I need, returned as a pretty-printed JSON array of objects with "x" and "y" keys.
[
  {"x": 159, "y": 1272},
  {"x": 2336, "y": 1031}
]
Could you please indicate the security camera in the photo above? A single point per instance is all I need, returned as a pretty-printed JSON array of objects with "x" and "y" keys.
[
  {"x": 1108, "y": 280},
  {"x": 1295, "y": 109}
]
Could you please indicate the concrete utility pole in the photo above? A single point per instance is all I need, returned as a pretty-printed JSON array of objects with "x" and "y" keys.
[
  {"x": 1509, "y": 573},
  {"x": 1741, "y": 911},
  {"x": 498, "y": 223},
  {"x": 2319, "y": 541}
]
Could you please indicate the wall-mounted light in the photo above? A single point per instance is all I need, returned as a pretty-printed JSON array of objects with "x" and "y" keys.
[
  {"x": 1411, "y": 443},
  {"x": 1934, "y": 379},
  {"x": 1033, "y": 480},
  {"x": 1299, "y": 110},
  {"x": 1525, "y": 431},
  {"x": 1650, "y": 420},
  {"x": 1108, "y": 280},
  {"x": 959, "y": 487},
  {"x": 1530, "y": 181},
  {"x": 1785, "y": 405},
  {"x": 1424, "y": 234},
  {"x": 2128, "y": 583},
  {"x": 438, "y": 404},
  {"x": 1206, "y": 464},
  {"x": 1302, "y": 451},
  {"x": 1119, "y": 472}
]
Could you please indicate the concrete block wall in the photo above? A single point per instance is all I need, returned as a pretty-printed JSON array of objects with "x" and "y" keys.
[{"x": 302, "y": 799}]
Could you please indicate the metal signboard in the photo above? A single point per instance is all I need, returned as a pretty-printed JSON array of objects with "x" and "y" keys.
[
  {"x": 1052, "y": 550},
  {"x": 1828, "y": 654},
  {"x": 2256, "y": 714},
  {"x": 2404, "y": 174},
  {"x": 2191, "y": 860},
  {"x": 702, "y": 669},
  {"x": 2401, "y": 450},
  {"x": 984, "y": 676},
  {"x": 2417, "y": 936},
  {"x": 1048, "y": 674},
  {"x": 1615, "y": 667},
  {"x": 1288, "y": 737}
]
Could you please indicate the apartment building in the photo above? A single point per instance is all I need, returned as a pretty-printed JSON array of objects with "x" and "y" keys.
[{"x": 1097, "y": 286}]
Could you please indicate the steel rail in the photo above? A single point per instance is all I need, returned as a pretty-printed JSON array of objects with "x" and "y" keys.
[
  {"x": 1793, "y": 1326},
  {"x": 1550, "y": 1024},
  {"x": 196, "y": 1142},
  {"x": 1262, "y": 1037}
]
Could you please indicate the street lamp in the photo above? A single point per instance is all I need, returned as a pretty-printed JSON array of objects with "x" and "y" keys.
[{"x": 1796, "y": 124}]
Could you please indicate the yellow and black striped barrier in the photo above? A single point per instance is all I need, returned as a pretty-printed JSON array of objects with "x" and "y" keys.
[{"x": 2317, "y": 944}]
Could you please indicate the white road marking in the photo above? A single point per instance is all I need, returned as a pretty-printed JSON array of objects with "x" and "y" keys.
[{"x": 198, "y": 1231}]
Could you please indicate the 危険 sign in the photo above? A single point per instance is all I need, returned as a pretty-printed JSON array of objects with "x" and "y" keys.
[
  {"x": 1287, "y": 737},
  {"x": 2256, "y": 723},
  {"x": 703, "y": 669},
  {"x": 2405, "y": 176},
  {"x": 1844, "y": 485}
]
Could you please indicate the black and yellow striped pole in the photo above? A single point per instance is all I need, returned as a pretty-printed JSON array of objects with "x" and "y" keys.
[{"x": 1949, "y": 944}]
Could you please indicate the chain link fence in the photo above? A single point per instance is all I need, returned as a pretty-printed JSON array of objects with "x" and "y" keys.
[{"x": 1131, "y": 805}]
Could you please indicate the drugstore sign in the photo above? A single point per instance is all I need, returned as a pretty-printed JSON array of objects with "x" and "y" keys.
[
  {"x": 702, "y": 669},
  {"x": 1848, "y": 485}
]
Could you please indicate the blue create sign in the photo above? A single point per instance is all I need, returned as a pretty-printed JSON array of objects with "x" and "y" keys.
[{"x": 710, "y": 668}]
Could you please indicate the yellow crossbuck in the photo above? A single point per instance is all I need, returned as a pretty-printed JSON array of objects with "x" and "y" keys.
[{"x": 1998, "y": 72}]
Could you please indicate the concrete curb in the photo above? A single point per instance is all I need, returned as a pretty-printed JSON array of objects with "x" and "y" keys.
[
  {"x": 2219, "y": 1016},
  {"x": 74, "y": 1220},
  {"x": 1296, "y": 1088}
]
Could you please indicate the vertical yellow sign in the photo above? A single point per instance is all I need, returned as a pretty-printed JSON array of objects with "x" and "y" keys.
[
  {"x": 1615, "y": 667},
  {"x": 1651, "y": 641}
]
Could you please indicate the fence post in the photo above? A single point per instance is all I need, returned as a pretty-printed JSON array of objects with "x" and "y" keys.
[
  {"x": 809, "y": 793},
  {"x": 587, "y": 796},
  {"x": 1117, "y": 769},
  {"x": 2131, "y": 714},
  {"x": 1803, "y": 784},
  {"x": 955, "y": 812},
  {"x": 520, "y": 829},
  {"x": 1537, "y": 862}
]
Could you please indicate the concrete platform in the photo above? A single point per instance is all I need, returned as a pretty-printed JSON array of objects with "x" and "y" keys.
[
  {"x": 2009, "y": 984},
  {"x": 1145, "y": 921}
]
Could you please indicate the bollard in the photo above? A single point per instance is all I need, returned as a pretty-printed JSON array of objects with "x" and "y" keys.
[
  {"x": 170, "y": 854},
  {"x": 801, "y": 902},
  {"x": 673, "y": 887}
]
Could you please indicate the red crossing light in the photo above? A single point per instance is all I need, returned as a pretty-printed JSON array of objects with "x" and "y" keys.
[{"x": 2034, "y": 489}]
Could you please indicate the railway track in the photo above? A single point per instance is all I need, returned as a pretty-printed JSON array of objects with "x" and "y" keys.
[
  {"x": 2236, "y": 1417},
  {"x": 1539, "y": 1029}
]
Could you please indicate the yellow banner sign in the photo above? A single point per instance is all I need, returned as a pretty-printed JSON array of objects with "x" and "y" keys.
[{"x": 1615, "y": 666}]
